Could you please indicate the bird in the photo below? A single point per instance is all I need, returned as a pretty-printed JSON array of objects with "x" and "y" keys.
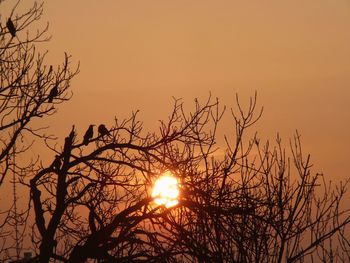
[
  {"x": 102, "y": 130},
  {"x": 67, "y": 147},
  {"x": 57, "y": 163},
  {"x": 11, "y": 27},
  {"x": 53, "y": 93},
  {"x": 71, "y": 135},
  {"x": 69, "y": 140},
  {"x": 88, "y": 134}
]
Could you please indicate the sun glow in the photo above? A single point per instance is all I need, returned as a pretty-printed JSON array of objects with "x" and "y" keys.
[{"x": 166, "y": 191}]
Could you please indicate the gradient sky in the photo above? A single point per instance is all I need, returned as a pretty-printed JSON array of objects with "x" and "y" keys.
[{"x": 138, "y": 54}]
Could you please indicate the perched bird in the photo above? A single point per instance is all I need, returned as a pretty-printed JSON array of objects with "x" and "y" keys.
[
  {"x": 11, "y": 27},
  {"x": 88, "y": 134},
  {"x": 71, "y": 135},
  {"x": 102, "y": 130},
  {"x": 57, "y": 163},
  {"x": 69, "y": 140},
  {"x": 53, "y": 93}
]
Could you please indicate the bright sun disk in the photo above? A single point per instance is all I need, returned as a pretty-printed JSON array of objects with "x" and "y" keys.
[{"x": 166, "y": 191}]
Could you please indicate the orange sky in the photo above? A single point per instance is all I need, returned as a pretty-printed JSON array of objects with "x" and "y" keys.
[{"x": 138, "y": 54}]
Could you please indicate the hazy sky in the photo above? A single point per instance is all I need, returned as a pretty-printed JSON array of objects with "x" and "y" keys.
[{"x": 138, "y": 54}]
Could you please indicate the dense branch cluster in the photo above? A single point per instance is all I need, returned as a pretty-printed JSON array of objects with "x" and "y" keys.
[
  {"x": 29, "y": 90},
  {"x": 255, "y": 204},
  {"x": 109, "y": 181},
  {"x": 245, "y": 201}
]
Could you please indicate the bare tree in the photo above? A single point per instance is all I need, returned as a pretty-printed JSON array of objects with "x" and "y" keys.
[
  {"x": 97, "y": 199},
  {"x": 29, "y": 90},
  {"x": 258, "y": 205},
  {"x": 253, "y": 205}
]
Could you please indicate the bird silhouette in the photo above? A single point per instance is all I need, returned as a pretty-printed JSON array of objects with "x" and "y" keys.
[
  {"x": 68, "y": 142},
  {"x": 102, "y": 130},
  {"x": 11, "y": 27},
  {"x": 88, "y": 134},
  {"x": 57, "y": 163},
  {"x": 71, "y": 135},
  {"x": 53, "y": 93}
]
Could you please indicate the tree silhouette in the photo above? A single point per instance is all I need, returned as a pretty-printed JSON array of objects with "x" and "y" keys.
[
  {"x": 245, "y": 202},
  {"x": 254, "y": 204},
  {"x": 29, "y": 90}
]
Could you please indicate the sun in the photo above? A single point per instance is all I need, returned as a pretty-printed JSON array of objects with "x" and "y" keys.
[{"x": 166, "y": 191}]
